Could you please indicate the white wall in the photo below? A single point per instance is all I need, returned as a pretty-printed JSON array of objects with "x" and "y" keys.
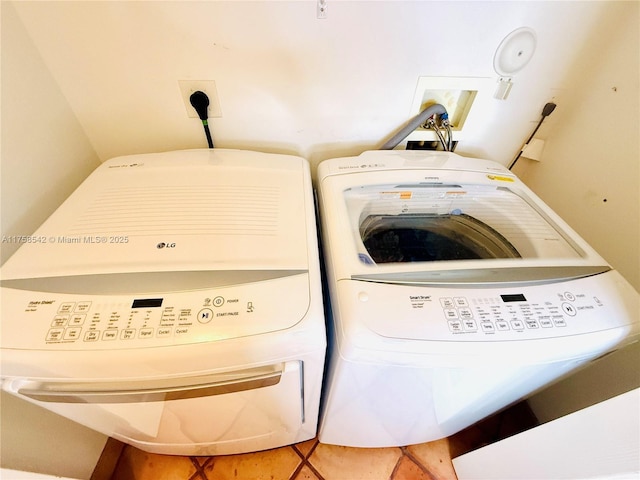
[
  {"x": 45, "y": 155},
  {"x": 288, "y": 81},
  {"x": 45, "y": 152},
  {"x": 590, "y": 174}
]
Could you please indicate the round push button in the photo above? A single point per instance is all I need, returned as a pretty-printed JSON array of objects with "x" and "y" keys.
[
  {"x": 218, "y": 301},
  {"x": 205, "y": 315},
  {"x": 569, "y": 309}
]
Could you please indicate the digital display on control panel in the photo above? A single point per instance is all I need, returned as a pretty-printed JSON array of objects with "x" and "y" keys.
[
  {"x": 147, "y": 303},
  {"x": 516, "y": 297}
]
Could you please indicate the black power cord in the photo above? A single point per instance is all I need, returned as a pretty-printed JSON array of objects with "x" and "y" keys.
[
  {"x": 200, "y": 102},
  {"x": 546, "y": 111}
]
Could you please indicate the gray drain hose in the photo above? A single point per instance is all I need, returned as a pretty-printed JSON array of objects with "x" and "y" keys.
[{"x": 414, "y": 123}]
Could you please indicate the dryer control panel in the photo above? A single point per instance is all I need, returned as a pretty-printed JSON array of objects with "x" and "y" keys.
[
  {"x": 490, "y": 313},
  {"x": 41, "y": 320}
]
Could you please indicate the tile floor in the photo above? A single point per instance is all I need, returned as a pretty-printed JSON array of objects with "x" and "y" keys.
[
  {"x": 315, "y": 461},
  {"x": 303, "y": 461}
]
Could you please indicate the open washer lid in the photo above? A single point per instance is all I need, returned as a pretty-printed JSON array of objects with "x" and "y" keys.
[
  {"x": 436, "y": 222},
  {"x": 444, "y": 220}
]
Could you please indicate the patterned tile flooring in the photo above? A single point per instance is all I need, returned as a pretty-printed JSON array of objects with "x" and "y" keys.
[
  {"x": 311, "y": 460},
  {"x": 304, "y": 461}
]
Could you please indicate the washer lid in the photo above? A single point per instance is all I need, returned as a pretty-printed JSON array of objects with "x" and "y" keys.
[
  {"x": 445, "y": 233},
  {"x": 430, "y": 222},
  {"x": 192, "y": 210},
  {"x": 457, "y": 220}
]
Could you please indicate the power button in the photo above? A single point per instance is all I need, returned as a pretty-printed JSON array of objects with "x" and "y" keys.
[{"x": 218, "y": 301}]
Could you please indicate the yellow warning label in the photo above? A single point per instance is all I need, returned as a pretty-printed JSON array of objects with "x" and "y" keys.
[
  {"x": 500, "y": 178},
  {"x": 403, "y": 195}
]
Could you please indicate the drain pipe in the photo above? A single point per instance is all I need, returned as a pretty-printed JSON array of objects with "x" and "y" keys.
[{"x": 414, "y": 123}]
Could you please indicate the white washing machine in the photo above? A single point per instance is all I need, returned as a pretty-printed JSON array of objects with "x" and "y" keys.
[
  {"x": 455, "y": 292},
  {"x": 174, "y": 303}
]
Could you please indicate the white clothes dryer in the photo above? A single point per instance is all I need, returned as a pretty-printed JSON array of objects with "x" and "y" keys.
[
  {"x": 455, "y": 291},
  {"x": 174, "y": 303}
]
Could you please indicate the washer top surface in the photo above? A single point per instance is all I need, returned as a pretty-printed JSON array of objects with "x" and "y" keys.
[{"x": 211, "y": 210}]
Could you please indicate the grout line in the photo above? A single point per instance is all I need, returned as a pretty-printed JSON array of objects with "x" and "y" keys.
[
  {"x": 200, "y": 473},
  {"x": 298, "y": 452},
  {"x": 311, "y": 450},
  {"x": 395, "y": 469},
  {"x": 300, "y": 465},
  {"x": 207, "y": 461},
  {"x": 297, "y": 470},
  {"x": 305, "y": 461},
  {"x": 314, "y": 470},
  {"x": 418, "y": 463}
]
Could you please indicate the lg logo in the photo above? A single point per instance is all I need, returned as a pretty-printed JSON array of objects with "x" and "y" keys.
[{"x": 162, "y": 245}]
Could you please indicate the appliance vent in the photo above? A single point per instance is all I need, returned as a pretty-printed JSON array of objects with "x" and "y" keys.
[{"x": 183, "y": 209}]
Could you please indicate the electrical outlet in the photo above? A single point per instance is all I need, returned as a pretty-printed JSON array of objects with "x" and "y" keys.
[
  {"x": 187, "y": 87},
  {"x": 456, "y": 94}
]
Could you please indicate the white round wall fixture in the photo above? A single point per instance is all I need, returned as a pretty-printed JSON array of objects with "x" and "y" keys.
[{"x": 515, "y": 51}]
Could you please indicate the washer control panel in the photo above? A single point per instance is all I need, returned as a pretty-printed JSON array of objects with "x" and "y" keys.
[
  {"x": 50, "y": 321},
  {"x": 484, "y": 313},
  {"x": 512, "y": 312}
]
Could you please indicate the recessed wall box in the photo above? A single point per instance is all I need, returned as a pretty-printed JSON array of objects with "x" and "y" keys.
[{"x": 456, "y": 94}]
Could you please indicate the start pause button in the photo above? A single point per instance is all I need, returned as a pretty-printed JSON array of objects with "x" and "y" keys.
[{"x": 205, "y": 315}]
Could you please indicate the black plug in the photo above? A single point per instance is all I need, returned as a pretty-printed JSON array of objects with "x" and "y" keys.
[
  {"x": 200, "y": 102},
  {"x": 546, "y": 111}
]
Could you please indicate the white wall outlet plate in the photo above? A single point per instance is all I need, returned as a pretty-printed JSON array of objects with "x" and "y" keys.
[
  {"x": 456, "y": 94},
  {"x": 187, "y": 87}
]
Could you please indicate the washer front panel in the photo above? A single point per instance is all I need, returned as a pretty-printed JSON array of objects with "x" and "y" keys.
[{"x": 485, "y": 314}]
